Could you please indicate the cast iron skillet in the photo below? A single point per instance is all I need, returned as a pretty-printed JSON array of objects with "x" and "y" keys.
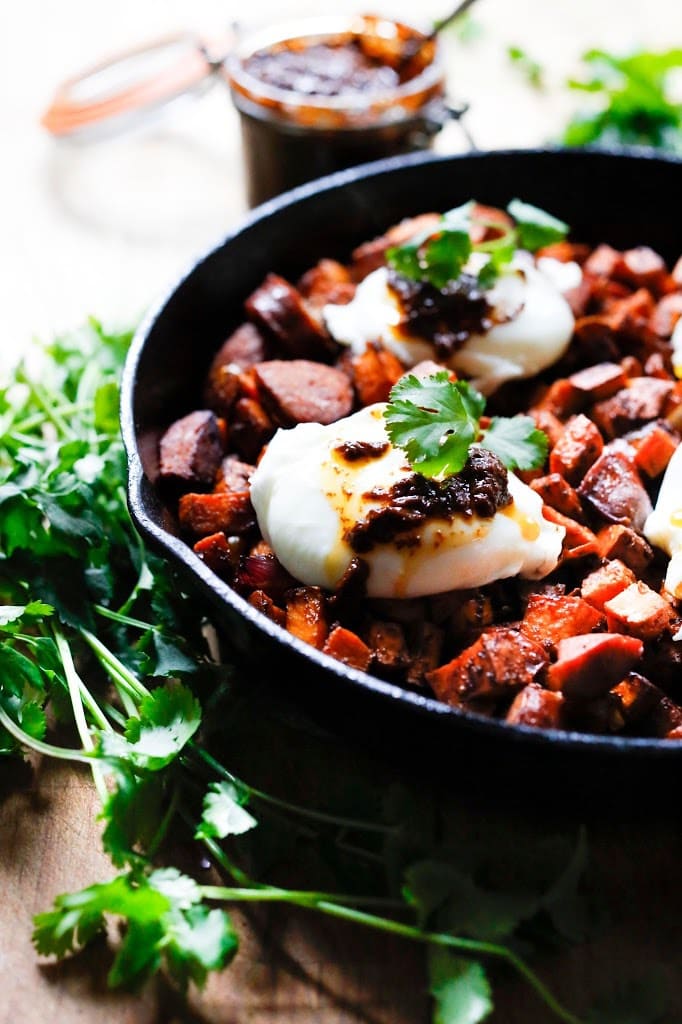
[{"x": 624, "y": 199}]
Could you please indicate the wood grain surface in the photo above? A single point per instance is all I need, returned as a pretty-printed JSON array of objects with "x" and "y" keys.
[{"x": 292, "y": 965}]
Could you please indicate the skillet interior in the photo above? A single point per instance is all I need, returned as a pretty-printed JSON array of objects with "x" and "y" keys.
[{"x": 625, "y": 199}]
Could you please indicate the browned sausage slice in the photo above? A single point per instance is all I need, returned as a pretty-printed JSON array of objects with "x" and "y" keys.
[
  {"x": 614, "y": 488},
  {"x": 590, "y": 665},
  {"x": 280, "y": 308},
  {"x": 299, "y": 391},
  {"x": 191, "y": 449}
]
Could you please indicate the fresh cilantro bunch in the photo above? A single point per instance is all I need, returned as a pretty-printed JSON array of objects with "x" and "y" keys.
[
  {"x": 635, "y": 101},
  {"x": 436, "y": 420},
  {"x": 96, "y": 634},
  {"x": 438, "y": 255}
]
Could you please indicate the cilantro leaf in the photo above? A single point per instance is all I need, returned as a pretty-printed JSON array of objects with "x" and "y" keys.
[
  {"x": 168, "y": 718},
  {"x": 434, "y": 420},
  {"x": 79, "y": 916},
  {"x": 133, "y": 813},
  {"x": 198, "y": 940},
  {"x": 165, "y": 919},
  {"x": 516, "y": 441},
  {"x": 635, "y": 97},
  {"x": 460, "y": 989},
  {"x": 223, "y": 814},
  {"x": 443, "y": 891},
  {"x": 536, "y": 228}
]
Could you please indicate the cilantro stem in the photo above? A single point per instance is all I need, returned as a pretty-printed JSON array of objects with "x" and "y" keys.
[
  {"x": 115, "y": 667},
  {"x": 42, "y": 399},
  {"x": 300, "y": 897},
  {"x": 40, "y": 747},
  {"x": 122, "y": 620},
  {"x": 355, "y": 824},
  {"x": 74, "y": 683},
  {"x": 66, "y": 409},
  {"x": 309, "y": 901}
]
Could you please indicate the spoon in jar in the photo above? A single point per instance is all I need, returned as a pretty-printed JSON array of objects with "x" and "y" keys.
[{"x": 414, "y": 46}]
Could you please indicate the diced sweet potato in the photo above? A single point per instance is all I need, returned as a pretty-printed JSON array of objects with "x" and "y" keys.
[
  {"x": 203, "y": 514},
  {"x": 233, "y": 475},
  {"x": 425, "y": 653},
  {"x": 639, "y": 611},
  {"x": 251, "y": 428},
  {"x": 558, "y": 493},
  {"x": 220, "y": 554},
  {"x": 643, "y": 399},
  {"x": 300, "y": 391},
  {"x": 328, "y": 281},
  {"x": 549, "y": 423},
  {"x": 191, "y": 449},
  {"x": 579, "y": 541},
  {"x": 641, "y": 267},
  {"x": 603, "y": 261},
  {"x": 263, "y": 603},
  {"x": 536, "y": 707},
  {"x": 597, "y": 382},
  {"x": 577, "y": 448},
  {"x": 550, "y": 618},
  {"x": 637, "y": 696},
  {"x": 500, "y": 662},
  {"x": 346, "y": 646},
  {"x": 371, "y": 255},
  {"x": 306, "y": 615},
  {"x": 666, "y": 314},
  {"x": 655, "y": 450},
  {"x": 588, "y": 666},
  {"x": 565, "y": 252},
  {"x": 375, "y": 372},
  {"x": 386, "y": 640},
  {"x": 605, "y": 582},
  {"x": 665, "y": 718},
  {"x": 560, "y": 399},
  {"x": 614, "y": 488},
  {"x": 625, "y": 544}
]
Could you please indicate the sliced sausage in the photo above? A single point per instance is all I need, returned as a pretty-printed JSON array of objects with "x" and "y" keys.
[
  {"x": 280, "y": 310},
  {"x": 300, "y": 391},
  {"x": 644, "y": 399},
  {"x": 614, "y": 488},
  {"x": 588, "y": 666},
  {"x": 191, "y": 450}
]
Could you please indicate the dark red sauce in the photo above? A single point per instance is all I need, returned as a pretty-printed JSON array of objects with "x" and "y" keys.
[{"x": 323, "y": 69}]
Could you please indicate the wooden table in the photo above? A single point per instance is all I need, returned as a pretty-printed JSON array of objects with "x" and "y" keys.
[{"x": 102, "y": 230}]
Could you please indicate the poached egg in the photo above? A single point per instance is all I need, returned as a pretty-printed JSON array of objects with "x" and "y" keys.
[
  {"x": 528, "y": 297},
  {"x": 663, "y": 526},
  {"x": 307, "y": 496}
]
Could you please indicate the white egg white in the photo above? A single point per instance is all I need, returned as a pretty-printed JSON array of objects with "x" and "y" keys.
[
  {"x": 537, "y": 333},
  {"x": 664, "y": 525},
  {"x": 307, "y": 496}
]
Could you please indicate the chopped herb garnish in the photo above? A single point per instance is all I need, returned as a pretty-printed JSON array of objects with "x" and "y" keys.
[
  {"x": 439, "y": 255},
  {"x": 436, "y": 420},
  {"x": 634, "y": 98}
]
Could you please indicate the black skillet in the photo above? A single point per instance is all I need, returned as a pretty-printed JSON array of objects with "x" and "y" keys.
[{"x": 622, "y": 198}]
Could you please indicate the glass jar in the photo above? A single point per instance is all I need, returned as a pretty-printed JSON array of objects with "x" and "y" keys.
[{"x": 292, "y": 133}]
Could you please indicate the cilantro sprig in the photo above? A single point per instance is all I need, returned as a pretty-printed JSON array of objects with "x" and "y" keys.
[
  {"x": 439, "y": 255},
  {"x": 95, "y": 633},
  {"x": 635, "y": 100},
  {"x": 436, "y": 420}
]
